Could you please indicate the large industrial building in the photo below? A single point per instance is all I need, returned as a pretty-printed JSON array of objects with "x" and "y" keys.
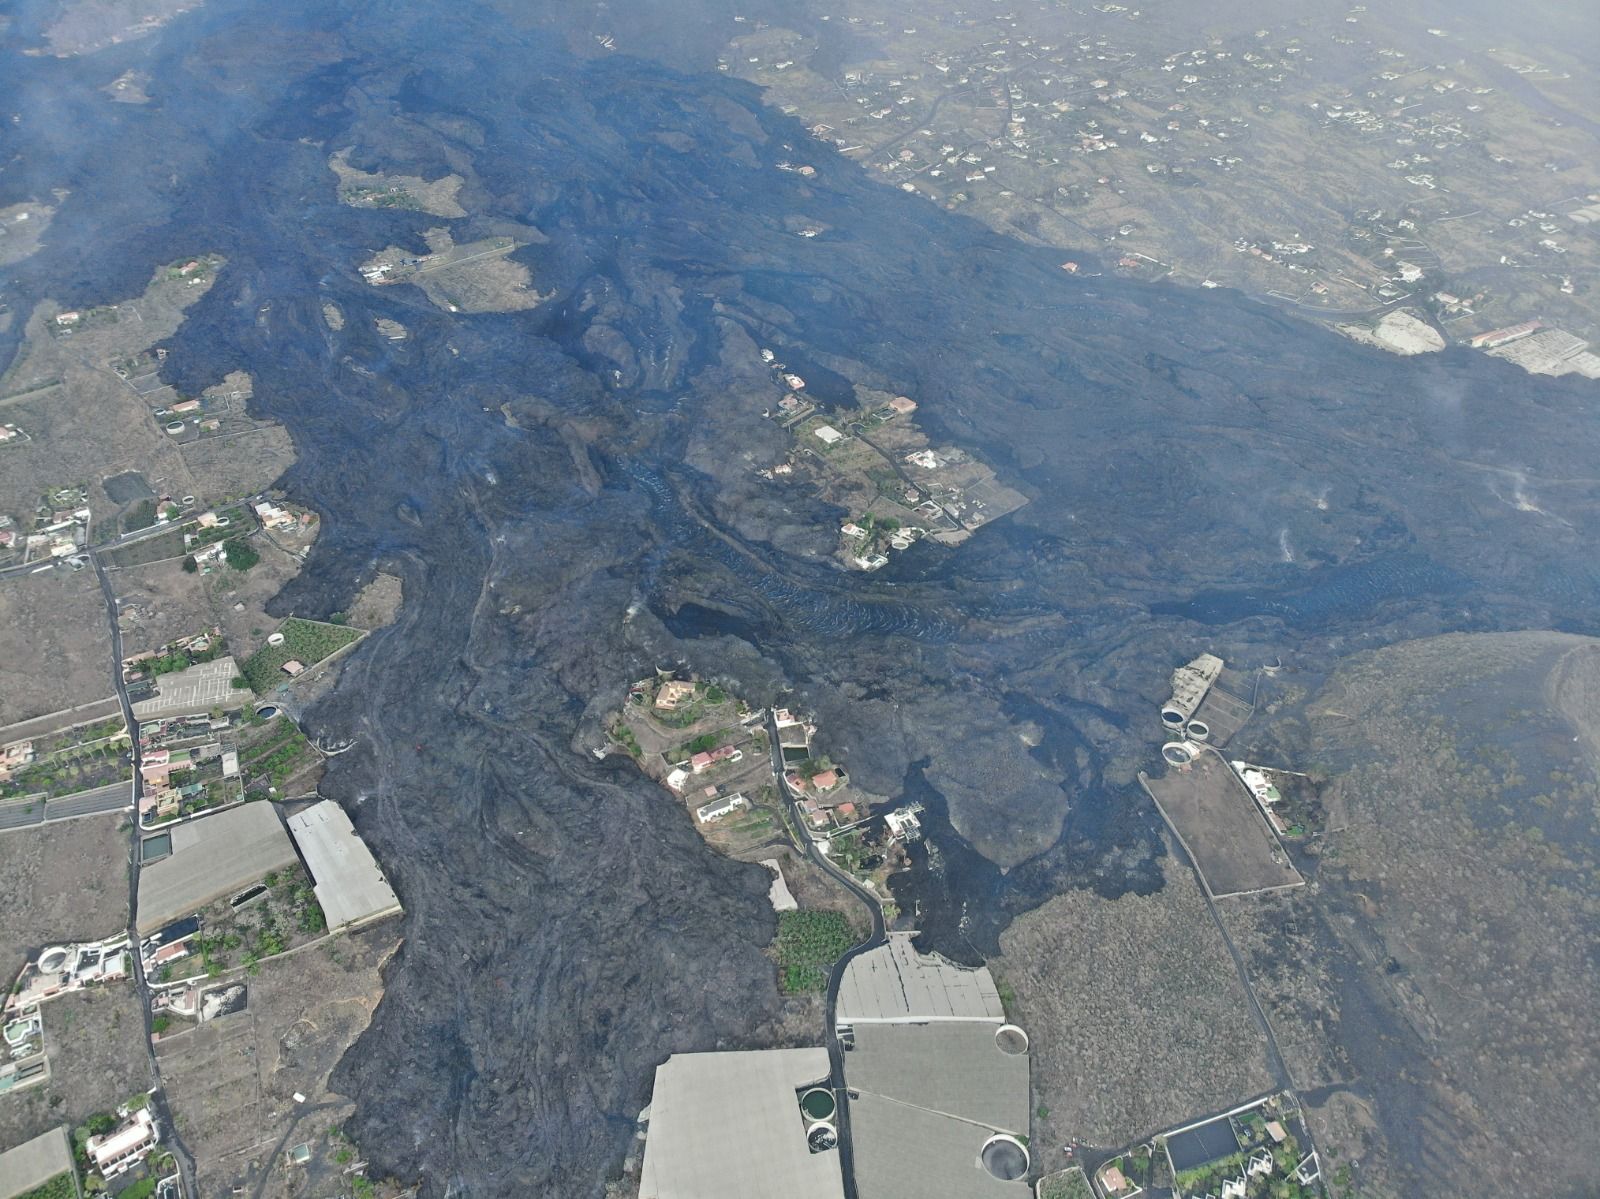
[
  {"x": 741, "y": 1126},
  {"x": 346, "y": 878},
  {"x": 212, "y": 858},
  {"x": 935, "y": 1095},
  {"x": 937, "y": 1080}
]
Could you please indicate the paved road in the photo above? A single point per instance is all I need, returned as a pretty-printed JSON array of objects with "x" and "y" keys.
[
  {"x": 114, "y": 798},
  {"x": 32, "y": 811},
  {"x": 155, "y": 530},
  {"x": 158, "y": 1101},
  {"x": 874, "y": 939},
  {"x": 21, "y": 813}
]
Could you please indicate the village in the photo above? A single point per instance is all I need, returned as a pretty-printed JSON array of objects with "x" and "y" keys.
[
  {"x": 752, "y": 779},
  {"x": 209, "y": 797},
  {"x": 873, "y": 462},
  {"x": 1260, "y": 1150},
  {"x": 1101, "y": 126}
]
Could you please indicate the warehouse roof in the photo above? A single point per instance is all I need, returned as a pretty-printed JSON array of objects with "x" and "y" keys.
[
  {"x": 212, "y": 857},
  {"x": 348, "y": 883},
  {"x": 729, "y": 1126},
  {"x": 925, "y": 1101},
  {"x": 896, "y": 983},
  {"x": 906, "y": 1152},
  {"x": 34, "y": 1163}
]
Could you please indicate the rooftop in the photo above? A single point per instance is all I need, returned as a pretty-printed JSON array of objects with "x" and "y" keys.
[
  {"x": 212, "y": 857},
  {"x": 895, "y": 983},
  {"x": 927, "y": 1100},
  {"x": 34, "y": 1162},
  {"x": 346, "y": 878},
  {"x": 729, "y": 1126}
]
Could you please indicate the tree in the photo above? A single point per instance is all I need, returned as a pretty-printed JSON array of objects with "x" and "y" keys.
[
  {"x": 240, "y": 554},
  {"x": 189, "y": 564}
]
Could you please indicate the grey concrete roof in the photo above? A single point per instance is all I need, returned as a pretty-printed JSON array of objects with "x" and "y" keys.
[
  {"x": 348, "y": 883},
  {"x": 924, "y": 1100},
  {"x": 728, "y": 1126},
  {"x": 953, "y": 1067},
  {"x": 895, "y": 983},
  {"x": 212, "y": 857},
  {"x": 904, "y": 1152},
  {"x": 34, "y": 1162}
]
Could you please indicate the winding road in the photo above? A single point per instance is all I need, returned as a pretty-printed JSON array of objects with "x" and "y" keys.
[
  {"x": 158, "y": 1101},
  {"x": 878, "y": 936}
]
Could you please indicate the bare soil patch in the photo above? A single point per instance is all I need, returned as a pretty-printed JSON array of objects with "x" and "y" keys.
[
  {"x": 1221, "y": 826},
  {"x": 232, "y": 1081},
  {"x": 55, "y": 643},
  {"x": 61, "y": 882},
  {"x": 95, "y": 1042}
]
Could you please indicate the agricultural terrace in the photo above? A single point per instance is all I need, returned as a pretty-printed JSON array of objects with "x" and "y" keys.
[
  {"x": 807, "y": 946},
  {"x": 72, "y": 760},
  {"x": 279, "y": 914},
  {"x": 1068, "y": 1184},
  {"x": 304, "y": 641},
  {"x": 273, "y": 752}
]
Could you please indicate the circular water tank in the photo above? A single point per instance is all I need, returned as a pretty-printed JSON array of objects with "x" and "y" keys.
[
  {"x": 54, "y": 959},
  {"x": 1177, "y": 753},
  {"x": 275, "y": 639},
  {"x": 1005, "y": 1157},
  {"x": 818, "y": 1103},
  {"x": 1198, "y": 730},
  {"x": 267, "y": 711},
  {"x": 821, "y": 1137},
  {"x": 1011, "y": 1039},
  {"x": 1172, "y": 718},
  {"x": 175, "y": 427},
  {"x": 188, "y": 501}
]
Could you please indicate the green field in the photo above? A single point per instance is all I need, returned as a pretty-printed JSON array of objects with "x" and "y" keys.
[
  {"x": 808, "y": 944},
  {"x": 307, "y": 641}
]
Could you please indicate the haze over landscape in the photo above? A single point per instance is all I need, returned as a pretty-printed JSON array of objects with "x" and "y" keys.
[{"x": 492, "y": 419}]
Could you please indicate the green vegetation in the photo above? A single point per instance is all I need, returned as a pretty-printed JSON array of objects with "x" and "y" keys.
[
  {"x": 142, "y": 1189},
  {"x": 808, "y": 944},
  {"x": 716, "y": 695},
  {"x": 279, "y": 756},
  {"x": 307, "y": 641},
  {"x": 190, "y": 566},
  {"x": 141, "y": 516},
  {"x": 241, "y": 555},
  {"x": 59, "y": 1187},
  {"x": 1069, "y": 1184},
  {"x": 1008, "y": 996},
  {"x": 75, "y": 760},
  {"x": 624, "y": 736}
]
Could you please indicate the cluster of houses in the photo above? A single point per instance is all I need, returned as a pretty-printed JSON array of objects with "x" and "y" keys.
[
  {"x": 176, "y": 745},
  {"x": 58, "y": 533},
  {"x": 61, "y": 969}
]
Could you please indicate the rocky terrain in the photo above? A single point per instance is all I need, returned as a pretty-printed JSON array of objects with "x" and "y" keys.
[{"x": 570, "y": 495}]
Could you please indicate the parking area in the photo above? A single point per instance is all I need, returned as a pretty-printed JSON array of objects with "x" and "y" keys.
[{"x": 198, "y": 688}]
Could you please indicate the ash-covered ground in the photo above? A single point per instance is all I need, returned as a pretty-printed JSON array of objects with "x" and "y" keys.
[{"x": 570, "y": 495}]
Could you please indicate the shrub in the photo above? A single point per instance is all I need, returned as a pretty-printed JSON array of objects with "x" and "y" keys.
[{"x": 240, "y": 554}]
